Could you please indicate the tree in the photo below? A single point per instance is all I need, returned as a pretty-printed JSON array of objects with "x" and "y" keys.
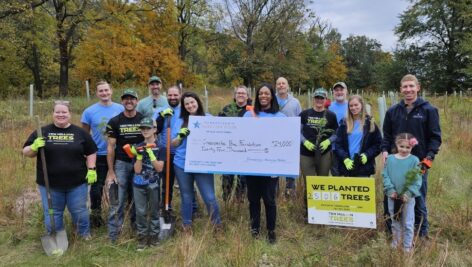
[{"x": 438, "y": 30}]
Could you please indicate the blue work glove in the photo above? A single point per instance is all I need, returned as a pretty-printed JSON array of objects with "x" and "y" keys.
[
  {"x": 167, "y": 112},
  {"x": 349, "y": 163},
  {"x": 184, "y": 132},
  {"x": 324, "y": 145},
  {"x": 37, "y": 143},
  {"x": 91, "y": 176},
  {"x": 363, "y": 158},
  {"x": 309, "y": 145}
]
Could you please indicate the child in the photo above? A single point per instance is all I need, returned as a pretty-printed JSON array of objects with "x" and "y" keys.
[
  {"x": 402, "y": 181},
  {"x": 146, "y": 184}
]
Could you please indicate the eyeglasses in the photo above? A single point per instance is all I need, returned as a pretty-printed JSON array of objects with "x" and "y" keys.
[{"x": 154, "y": 103}]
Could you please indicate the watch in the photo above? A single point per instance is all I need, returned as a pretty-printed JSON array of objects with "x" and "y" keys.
[{"x": 92, "y": 168}]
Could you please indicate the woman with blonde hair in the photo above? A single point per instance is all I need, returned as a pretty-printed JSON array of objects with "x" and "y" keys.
[{"x": 358, "y": 141}]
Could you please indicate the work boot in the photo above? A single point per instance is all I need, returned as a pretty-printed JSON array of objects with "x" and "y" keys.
[
  {"x": 142, "y": 242},
  {"x": 271, "y": 237},
  {"x": 154, "y": 240}
]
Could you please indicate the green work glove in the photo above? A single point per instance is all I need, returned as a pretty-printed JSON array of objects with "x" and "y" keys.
[
  {"x": 363, "y": 158},
  {"x": 184, "y": 132},
  {"x": 37, "y": 143},
  {"x": 349, "y": 163},
  {"x": 91, "y": 176},
  {"x": 309, "y": 145},
  {"x": 134, "y": 151},
  {"x": 324, "y": 145},
  {"x": 151, "y": 155},
  {"x": 167, "y": 112},
  {"x": 137, "y": 153}
]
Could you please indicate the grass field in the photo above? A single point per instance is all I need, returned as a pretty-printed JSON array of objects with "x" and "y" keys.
[{"x": 299, "y": 244}]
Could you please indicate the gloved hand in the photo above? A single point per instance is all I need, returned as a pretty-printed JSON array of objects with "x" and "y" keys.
[
  {"x": 37, "y": 143},
  {"x": 324, "y": 145},
  {"x": 184, "y": 132},
  {"x": 91, "y": 176},
  {"x": 363, "y": 158},
  {"x": 426, "y": 164},
  {"x": 349, "y": 163},
  {"x": 151, "y": 155},
  {"x": 167, "y": 112},
  {"x": 137, "y": 152},
  {"x": 309, "y": 145}
]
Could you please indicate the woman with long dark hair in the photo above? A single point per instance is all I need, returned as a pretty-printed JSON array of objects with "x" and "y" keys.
[
  {"x": 191, "y": 105},
  {"x": 263, "y": 186}
]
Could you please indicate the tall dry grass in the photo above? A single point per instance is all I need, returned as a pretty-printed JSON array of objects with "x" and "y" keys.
[{"x": 299, "y": 244}]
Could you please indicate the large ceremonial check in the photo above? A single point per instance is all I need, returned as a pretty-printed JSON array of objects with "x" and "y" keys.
[
  {"x": 246, "y": 146},
  {"x": 345, "y": 201}
]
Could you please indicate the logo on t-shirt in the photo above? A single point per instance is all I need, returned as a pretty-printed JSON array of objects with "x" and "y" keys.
[{"x": 58, "y": 138}]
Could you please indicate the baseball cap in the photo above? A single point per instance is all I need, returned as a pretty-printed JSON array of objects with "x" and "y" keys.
[
  {"x": 154, "y": 79},
  {"x": 129, "y": 92},
  {"x": 146, "y": 123},
  {"x": 320, "y": 92},
  {"x": 342, "y": 84}
]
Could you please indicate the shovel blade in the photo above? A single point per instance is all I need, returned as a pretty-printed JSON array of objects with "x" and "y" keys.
[
  {"x": 167, "y": 226},
  {"x": 55, "y": 244}
]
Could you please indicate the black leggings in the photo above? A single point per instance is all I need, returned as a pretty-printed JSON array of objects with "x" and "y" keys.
[{"x": 262, "y": 187}]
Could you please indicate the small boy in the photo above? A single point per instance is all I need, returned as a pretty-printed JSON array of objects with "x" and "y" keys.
[{"x": 146, "y": 184}]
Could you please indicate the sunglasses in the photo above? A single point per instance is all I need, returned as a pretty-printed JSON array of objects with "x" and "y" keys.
[{"x": 154, "y": 103}]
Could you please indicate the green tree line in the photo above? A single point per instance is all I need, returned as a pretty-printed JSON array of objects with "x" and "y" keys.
[{"x": 58, "y": 44}]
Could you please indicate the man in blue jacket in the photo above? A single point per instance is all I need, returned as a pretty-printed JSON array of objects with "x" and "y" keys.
[{"x": 418, "y": 117}]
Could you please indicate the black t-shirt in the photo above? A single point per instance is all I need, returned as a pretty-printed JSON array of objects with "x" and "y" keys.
[
  {"x": 65, "y": 152},
  {"x": 314, "y": 124},
  {"x": 126, "y": 131}
]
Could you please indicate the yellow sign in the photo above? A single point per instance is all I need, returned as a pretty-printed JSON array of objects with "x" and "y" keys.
[{"x": 344, "y": 201}]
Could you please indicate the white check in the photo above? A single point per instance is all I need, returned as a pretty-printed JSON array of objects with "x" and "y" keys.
[{"x": 246, "y": 146}]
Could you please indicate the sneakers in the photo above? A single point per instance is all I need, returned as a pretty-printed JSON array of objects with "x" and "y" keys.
[
  {"x": 271, "y": 237},
  {"x": 154, "y": 240},
  {"x": 142, "y": 243}
]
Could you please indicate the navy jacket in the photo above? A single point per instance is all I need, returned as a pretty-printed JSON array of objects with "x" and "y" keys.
[
  {"x": 422, "y": 122},
  {"x": 370, "y": 146}
]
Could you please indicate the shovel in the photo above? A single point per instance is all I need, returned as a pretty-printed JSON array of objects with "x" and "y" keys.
[
  {"x": 167, "y": 220},
  {"x": 55, "y": 243}
]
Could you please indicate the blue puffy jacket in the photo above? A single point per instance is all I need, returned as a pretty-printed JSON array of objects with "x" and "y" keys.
[
  {"x": 370, "y": 146},
  {"x": 422, "y": 122}
]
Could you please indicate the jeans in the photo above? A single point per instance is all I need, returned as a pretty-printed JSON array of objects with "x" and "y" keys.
[
  {"x": 76, "y": 201},
  {"x": 96, "y": 188},
  {"x": 146, "y": 201},
  {"x": 206, "y": 186},
  {"x": 262, "y": 187},
  {"x": 421, "y": 210},
  {"x": 227, "y": 185},
  {"x": 124, "y": 173},
  {"x": 171, "y": 182},
  {"x": 405, "y": 228}
]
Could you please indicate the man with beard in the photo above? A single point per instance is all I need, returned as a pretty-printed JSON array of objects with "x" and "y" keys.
[
  {"x": 121, "y": 130},
  {"x": 339, "y": 107}
]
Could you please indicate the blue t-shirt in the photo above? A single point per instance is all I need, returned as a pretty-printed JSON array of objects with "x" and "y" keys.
[
  {"x": 148, "y": 174},
  {"x": 97, "y": 117},
  {"x": 175, "y": 123},
  {"x": 354, "y": 139},
  {"x": 147, "y": 106},
  {"x": 339, "y": 109}
]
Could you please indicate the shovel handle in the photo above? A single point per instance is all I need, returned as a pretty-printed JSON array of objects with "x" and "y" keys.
[{"x": 46, "y": 177}]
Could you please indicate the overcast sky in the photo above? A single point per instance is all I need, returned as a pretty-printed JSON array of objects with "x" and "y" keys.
[{"x": 373, "y": 18}]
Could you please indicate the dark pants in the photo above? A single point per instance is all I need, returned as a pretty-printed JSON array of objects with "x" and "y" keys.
[
  {"x": 335, "y": 166},
  {"x": 227, "y": 185},
  {"x": 96, "y": 189},
  {"x": 171, "y": 182},
  {"x": 262, "y": 187}
]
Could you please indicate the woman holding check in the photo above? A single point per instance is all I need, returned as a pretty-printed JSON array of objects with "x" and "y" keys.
[{"x": 191, "y": 105}]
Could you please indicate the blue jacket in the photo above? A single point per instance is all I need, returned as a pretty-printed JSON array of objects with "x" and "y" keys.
[
  {"x": 422, "y": 122},
  {"x": 370, "y": 146}
]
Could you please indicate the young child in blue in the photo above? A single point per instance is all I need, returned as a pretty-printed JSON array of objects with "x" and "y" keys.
[
  {"x": 146, "y": 185},
  {"x": 397, "y": 186}
]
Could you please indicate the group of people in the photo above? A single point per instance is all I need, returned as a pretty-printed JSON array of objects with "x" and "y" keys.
[{"x": 122, "y": 148}]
